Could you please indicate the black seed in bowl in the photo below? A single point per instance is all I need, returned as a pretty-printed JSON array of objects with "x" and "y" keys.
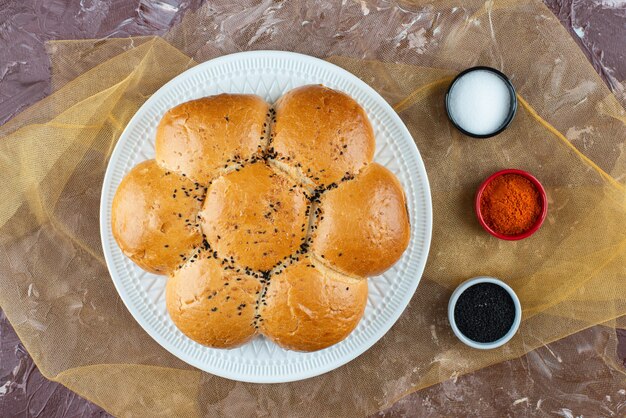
[{"x": 484, "y": 312}]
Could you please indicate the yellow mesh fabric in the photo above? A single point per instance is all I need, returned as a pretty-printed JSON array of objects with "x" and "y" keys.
[{"x": 569, "y": 132}]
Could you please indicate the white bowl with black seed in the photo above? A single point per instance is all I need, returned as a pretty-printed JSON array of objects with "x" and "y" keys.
[{"x": 484, "y": 312}]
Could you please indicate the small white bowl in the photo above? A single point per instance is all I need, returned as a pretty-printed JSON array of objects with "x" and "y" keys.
[{"x": 455, "y": 297}]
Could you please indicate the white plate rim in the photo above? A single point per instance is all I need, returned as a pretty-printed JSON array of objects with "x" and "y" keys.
[{"x": 426, "y": 215}]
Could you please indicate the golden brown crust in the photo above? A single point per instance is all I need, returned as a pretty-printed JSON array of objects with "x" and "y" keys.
[
  {"x": 323, "y": 131},
  {"x": 198, "y": 138},
  {"x": 255, "y": 215},
  {"x": 307, "y": 307},
  {"x": 212, "y": 305},
  {"x": 250, "y": 228},
  {"x": 363, "y": 228},
  {"x": 154, "y": 217}
]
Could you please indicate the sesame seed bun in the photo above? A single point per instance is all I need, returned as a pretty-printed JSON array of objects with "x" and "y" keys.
[
  {"x": 324, "y": 132},
  {"x": 256, "y": 215},
  {"x": 198, "y": 138},
  {"x": 154, "y": 217},
  {"x": 363, "y": 227},
  {"x": 308, "y": 307},
  {"x": 212, "y": 305},
  {"x": 266, "y": 219}
]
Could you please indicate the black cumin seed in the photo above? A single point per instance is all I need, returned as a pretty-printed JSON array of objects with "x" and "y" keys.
[{"x": 484, "y": 312}]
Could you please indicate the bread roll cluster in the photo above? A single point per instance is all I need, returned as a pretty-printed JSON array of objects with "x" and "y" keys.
[{"x": 266, "y": 219}]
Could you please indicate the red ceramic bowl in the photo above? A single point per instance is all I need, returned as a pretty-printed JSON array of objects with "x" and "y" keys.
[{"x": 542, "y": 197}]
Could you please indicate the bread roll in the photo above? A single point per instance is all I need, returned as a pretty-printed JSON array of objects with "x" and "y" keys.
[
  {"x": 307, "y": 307},
  {"x": 363, "y": 227},
  {"x": 154, "y": 217},
  {"x": 267, "y": 220},
  {"x": 324, "y": 132},
  {"x": 200, "y": 137},
  {"x": 212, "y": 305},
  {"x": 256, "y": 216}
]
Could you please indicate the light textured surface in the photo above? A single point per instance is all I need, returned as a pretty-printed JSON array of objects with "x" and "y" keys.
[
  {"x": 538, "y": 384},
  {"x": 269, "y": 75}
]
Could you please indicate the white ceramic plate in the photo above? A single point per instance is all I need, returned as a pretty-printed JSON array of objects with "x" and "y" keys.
[{"x": 270, "y": 74}]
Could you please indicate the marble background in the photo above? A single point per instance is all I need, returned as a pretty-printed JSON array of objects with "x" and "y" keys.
[{"x": 599, "y": 28}]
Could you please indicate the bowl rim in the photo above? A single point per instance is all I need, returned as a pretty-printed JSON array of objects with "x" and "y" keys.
[
  {"x": 475, "y": 344},
  {"x": 512, "y": 108},
  {"x": 540, "y": 219}
]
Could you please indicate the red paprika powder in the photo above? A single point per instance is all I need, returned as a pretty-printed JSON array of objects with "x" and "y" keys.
[{"x": 510, "y": 204}]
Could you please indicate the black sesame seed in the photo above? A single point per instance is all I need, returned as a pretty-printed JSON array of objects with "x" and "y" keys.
[{"x": 484, "y": 312}]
